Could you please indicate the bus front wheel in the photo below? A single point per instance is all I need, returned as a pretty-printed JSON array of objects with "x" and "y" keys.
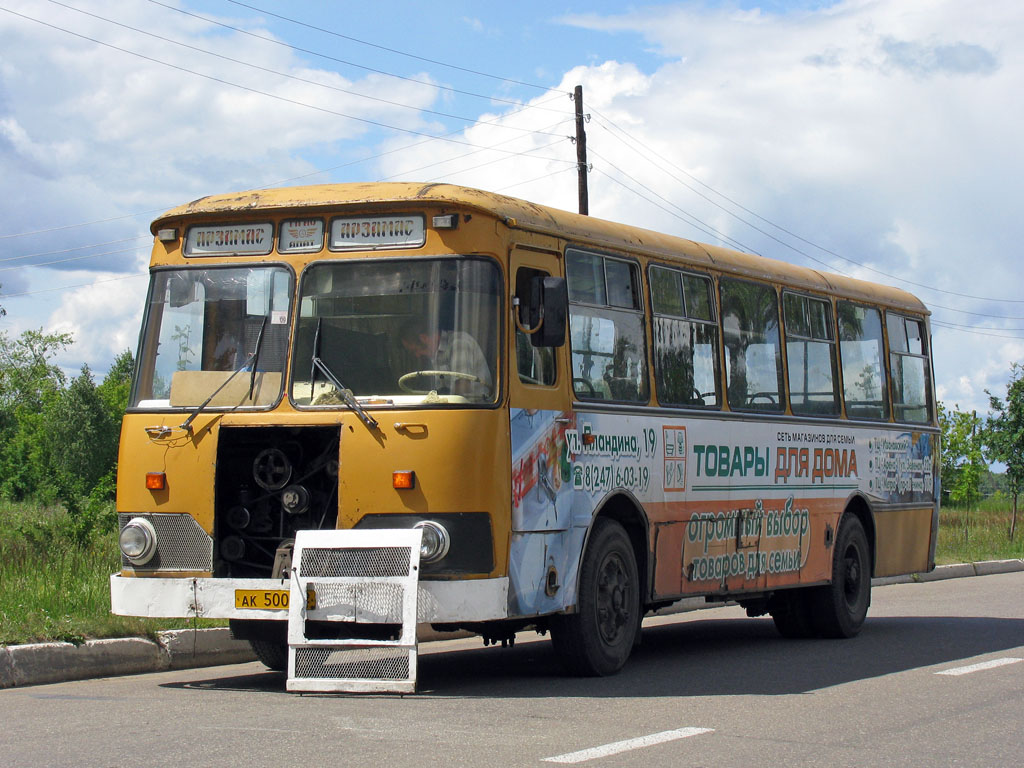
[
  {"x": 598, "y": 638},
  {"x": 841, "y": 607},
  {"x": 273, "y": 655}
]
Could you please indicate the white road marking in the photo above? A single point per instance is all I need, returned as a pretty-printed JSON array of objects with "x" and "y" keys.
[
  {"x": 624, "y": 746},
  {"x": 957, "y": 671}
]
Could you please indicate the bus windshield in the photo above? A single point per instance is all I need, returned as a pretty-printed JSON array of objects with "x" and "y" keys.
[
  {"x": 204, "y": 325},
  {"x": 398, "y": 332}
]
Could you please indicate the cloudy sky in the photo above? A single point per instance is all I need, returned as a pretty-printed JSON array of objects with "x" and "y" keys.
[{"x": 876, "y": 138}]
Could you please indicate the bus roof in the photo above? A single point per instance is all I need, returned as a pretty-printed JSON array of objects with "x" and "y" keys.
[{"x": 524, "y": 215}]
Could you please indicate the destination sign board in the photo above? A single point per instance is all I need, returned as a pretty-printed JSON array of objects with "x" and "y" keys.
[
  {"x": 367, "y": 233},
  {"x": 230, "y": 240}
]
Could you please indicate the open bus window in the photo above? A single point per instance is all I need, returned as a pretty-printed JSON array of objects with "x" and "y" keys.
[
  {"x": 685, "y": 339},
  {"x": 861, "y": 354},
  {"x": 909, "y": 362},
  {"x": 810, "y": 355},
  {"x": 606, "y": 330},
  {"x": 398, "y": 332},
  {"x": 750, "y": 328},
  {"x": 203, "y": 325}
]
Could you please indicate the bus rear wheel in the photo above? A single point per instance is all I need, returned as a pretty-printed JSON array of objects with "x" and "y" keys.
[
  {"x": 839, "y": 609},
  {"x": 598, "y": 638},
  {"x": 791, "y": 611}
]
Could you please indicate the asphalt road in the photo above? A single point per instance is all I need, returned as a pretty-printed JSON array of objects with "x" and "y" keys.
[{"x": 706, "y": 688}]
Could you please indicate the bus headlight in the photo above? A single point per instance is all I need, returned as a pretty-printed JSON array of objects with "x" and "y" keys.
[
  {"x": 435, "y": 542},
  {"x": 138, "y": 541}
]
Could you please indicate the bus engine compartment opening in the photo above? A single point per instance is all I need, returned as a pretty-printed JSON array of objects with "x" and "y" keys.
[{"x": 270, "y": 483}]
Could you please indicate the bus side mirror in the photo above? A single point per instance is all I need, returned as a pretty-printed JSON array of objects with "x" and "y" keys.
[{"x": 549, "y": 301}]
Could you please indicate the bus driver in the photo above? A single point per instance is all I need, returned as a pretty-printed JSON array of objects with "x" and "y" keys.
[{"x": 456, "y": 351}]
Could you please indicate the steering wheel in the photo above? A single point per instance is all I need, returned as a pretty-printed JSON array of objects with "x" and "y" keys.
[
  {"x": 752, "y": 399},
  {"x": 405, "y": 378},
  {"x": 587, "y": 390}
]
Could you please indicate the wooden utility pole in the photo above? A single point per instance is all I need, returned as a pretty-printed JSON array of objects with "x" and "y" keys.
[{"x": 581, "y": 151}]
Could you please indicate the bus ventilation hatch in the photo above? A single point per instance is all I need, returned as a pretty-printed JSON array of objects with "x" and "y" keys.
[{"x": 352, "y": 611}]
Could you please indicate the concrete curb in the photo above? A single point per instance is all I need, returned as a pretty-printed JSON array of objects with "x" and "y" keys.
[
  {"x": 40, "y": 663},
  {"x": 957, "y": 571}
]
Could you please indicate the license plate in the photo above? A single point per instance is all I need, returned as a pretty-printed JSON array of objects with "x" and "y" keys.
[{"x": 262, "y": 599}]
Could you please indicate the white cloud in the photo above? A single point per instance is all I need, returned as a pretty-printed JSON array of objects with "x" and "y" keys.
[
  {"x": 885, "y": 131},
  {"x": 88, "y": 132}
]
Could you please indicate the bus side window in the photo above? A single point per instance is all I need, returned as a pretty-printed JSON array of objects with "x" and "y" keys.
[
  {"x": 685, "y": 339},
  {"x": 536, "y": 365},
  {"x": 606, "y": 328},
  {"x": 861, "y": 356},
  {"x": 811, "y": 355},
  {"x": 909, "y": 362},
  {"x": 750, "y": 331}
]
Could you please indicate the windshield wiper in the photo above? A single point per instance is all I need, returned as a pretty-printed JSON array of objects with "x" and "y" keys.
[
  {"x": 187, "y": 424},
  {"x": 316, "y": 364},
  {"x": 256, "y": 357},
  {"x": 250, "y": 362}
]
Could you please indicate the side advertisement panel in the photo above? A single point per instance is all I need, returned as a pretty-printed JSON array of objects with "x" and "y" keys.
[{"x": 731, "y": 505}]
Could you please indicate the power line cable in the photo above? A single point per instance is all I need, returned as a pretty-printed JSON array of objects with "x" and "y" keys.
[
  {"x": 686, "y": 215},
  {"x": 975, "y": 327},
  {"x": 68, "y": 250},
  {"x": 489, "y": 162},
  {"x": 336, "y": 59},
  {"x": 976, "y": 314},
  {"x": 69, "y": 287},
  {"x": 977, "y": 333},
  {"x": 72, "y": 258},
  {"x": 390, "y": 50},
  {"x": 611, "y": 124},
  {"x": 783, "y": 243},
  {"x": 282, "y": 182},
  {"x": 80, "y": 224},
  {"x": 474, "y": 152},
  {"x": 268, "y": 70},
  {"x": 698, "y": 226},
  {"x": 531, "y": 181},
  {"x": 248, "y": 89}
]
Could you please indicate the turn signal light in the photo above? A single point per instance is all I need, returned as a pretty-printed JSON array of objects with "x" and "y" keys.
[
  {"x": 156, "y": 481},
  {"x": 404, "y": 480}
]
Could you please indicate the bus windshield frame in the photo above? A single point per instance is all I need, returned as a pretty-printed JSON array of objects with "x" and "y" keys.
[
  {"x": 203, "y": 326},
  {"x": 402, "y": 332}
]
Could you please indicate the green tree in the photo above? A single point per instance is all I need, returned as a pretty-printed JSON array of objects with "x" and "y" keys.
[
  {"x": 1004, "y": 436},
  {"x": 29, "y": 385},
  {"x": 116, "y": 385},
  {"x": 58, "y": 440},
  {"x": 963, "y": 463},
  {"x": 26, "y": 373}
]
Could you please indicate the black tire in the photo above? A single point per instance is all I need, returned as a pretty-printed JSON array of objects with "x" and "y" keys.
[
  {"x": 598, "y": 638},
  {"x": 273, "y": 655},
  {"x": 791, "y": 612},
  {"x": 839, "y": 609}
]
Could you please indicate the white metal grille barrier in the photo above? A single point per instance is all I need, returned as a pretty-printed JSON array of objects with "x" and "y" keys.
[{"x": 352, "y": 611}]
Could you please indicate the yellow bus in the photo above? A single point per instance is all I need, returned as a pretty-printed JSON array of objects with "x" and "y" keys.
[{"x": 567, "y": 422}]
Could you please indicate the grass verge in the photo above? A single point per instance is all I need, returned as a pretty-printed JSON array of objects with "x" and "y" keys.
[
  {"x": 53, "y": 587},
  {"x": 970, "y": 535}
]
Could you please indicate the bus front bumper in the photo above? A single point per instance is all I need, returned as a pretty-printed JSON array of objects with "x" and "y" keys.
[{"x": 440, "y": 602}]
